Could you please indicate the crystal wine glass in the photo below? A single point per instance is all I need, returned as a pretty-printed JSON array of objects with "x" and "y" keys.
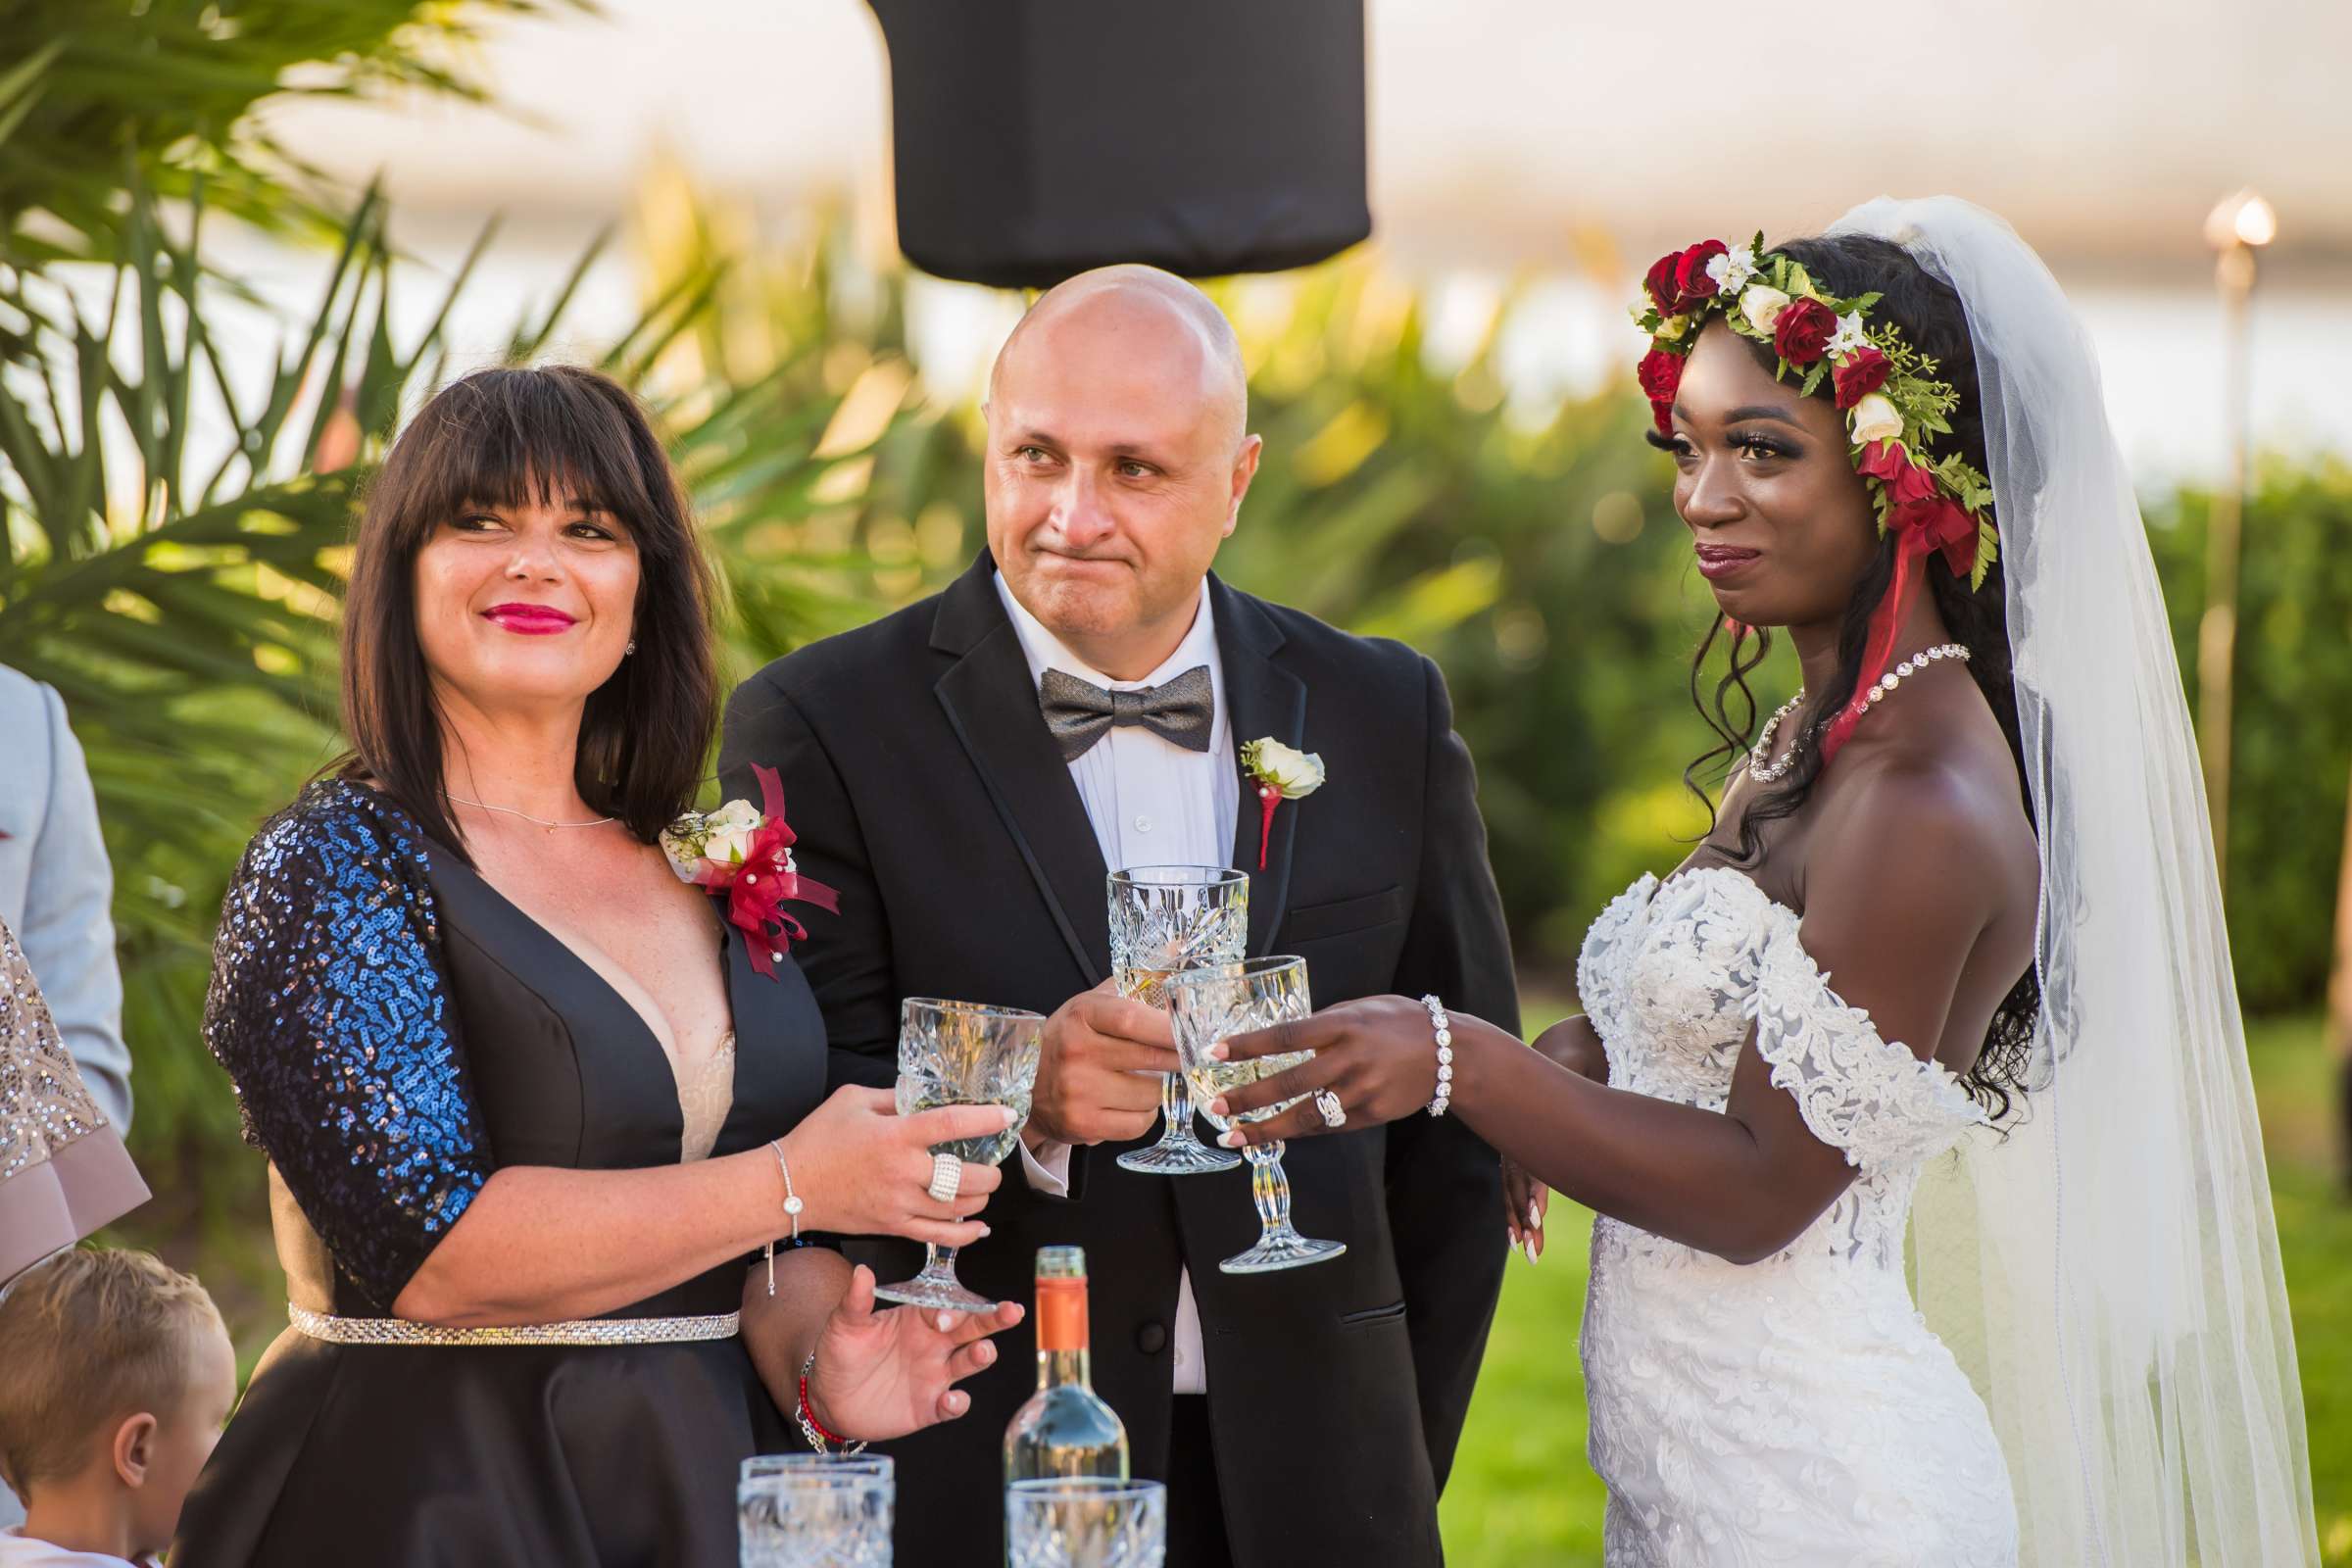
[
  {"x": 1214, "y": 1003},
  {"x": 808, "y": 1510},
  {"x": 1166, "y": 920},
  {"x": 962, "y": 1054},
  {"x": 1087, "y": 1522}
]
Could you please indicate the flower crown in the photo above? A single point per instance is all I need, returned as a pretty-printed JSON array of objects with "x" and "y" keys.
[{"x": 1887, "y": 390}]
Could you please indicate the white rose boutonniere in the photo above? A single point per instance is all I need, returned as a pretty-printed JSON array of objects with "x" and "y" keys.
[{"x": 1281, "y": 773}]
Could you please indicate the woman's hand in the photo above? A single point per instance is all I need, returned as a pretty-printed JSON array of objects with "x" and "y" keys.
[
  {"x": 1378, "y": 1055},
  {"x": 861, "y": 1169},
  {"x": 1526, "y": 1202},
  {"x": 885, "y": 1373}
]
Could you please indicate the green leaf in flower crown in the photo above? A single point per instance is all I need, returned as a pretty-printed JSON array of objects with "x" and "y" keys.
[
  {"x": 1988, "y": 551},
  {"x": 1813, "y": 378}
]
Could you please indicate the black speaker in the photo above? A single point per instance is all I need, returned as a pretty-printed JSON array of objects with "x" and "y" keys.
[{"x": 1036, "y": 139}]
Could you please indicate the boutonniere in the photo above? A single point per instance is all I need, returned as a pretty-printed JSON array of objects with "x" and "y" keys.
[
  {"x": 1281, "y": 773},
  {"x": 746, "y": 854}
]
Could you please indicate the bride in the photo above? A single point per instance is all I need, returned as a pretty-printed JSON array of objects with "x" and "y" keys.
[{"x": 1981, "y": 819}]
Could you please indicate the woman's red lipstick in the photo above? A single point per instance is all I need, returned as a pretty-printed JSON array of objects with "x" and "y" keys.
[
  {"x": 1720, "y": 560},
  {"x": 530, "y": 620}
]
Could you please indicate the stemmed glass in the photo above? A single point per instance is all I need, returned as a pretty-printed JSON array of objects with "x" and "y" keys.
[
  {"x": 1087, "y": 1522},
  {"x": 1166, "y": 920},
  {"x": 807, "y": 1510},
  {"x": 1218, "y": 1002},
  {"x": 962, "y": 1054}
]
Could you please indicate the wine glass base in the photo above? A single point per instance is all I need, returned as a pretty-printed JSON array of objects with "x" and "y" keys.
[
  {"x": 1281, "y": 1251},
  {"x": 1179, "y": 1156},
  {"x": 946, "y": 1296}
]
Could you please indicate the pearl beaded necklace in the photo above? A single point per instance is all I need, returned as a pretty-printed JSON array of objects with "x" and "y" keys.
[{"x": 1773, "y": 772}]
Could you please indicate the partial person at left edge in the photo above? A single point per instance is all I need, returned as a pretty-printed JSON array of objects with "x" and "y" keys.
[{"x": 56, "y": 893}]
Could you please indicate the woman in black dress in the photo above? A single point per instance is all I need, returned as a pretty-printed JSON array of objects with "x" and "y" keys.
[{"x": 534, "y": 1107}]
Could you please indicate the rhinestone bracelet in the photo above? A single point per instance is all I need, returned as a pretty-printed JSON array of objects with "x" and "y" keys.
[{"x": 1445, "y": 1031}]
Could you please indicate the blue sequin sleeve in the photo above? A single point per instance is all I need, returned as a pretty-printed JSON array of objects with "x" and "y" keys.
[{"x": 331, "y": 1014}]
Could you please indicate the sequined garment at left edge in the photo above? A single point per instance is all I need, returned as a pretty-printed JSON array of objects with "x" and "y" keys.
[
  {"x": 330, "y": 1013},
  {"x": 62, "y": 1169}
]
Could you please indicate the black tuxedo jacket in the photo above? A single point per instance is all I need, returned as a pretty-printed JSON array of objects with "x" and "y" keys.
[{"x": 920, "y": 777}]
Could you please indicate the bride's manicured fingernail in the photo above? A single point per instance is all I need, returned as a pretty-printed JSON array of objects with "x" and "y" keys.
[
  {"x": 1535, "y": 1218},
  {"x": 947, "y": 1321},
  {"x": 1218, "y": 1107},
  {"x": 1531, "y": 1256},
  {"x": 1218, "y": 1052},
  {"x": 1230, "y": 1140},
  {"x": 1010, "y": 1115}
]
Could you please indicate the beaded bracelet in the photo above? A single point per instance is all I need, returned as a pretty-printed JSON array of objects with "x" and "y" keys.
[
  {"x": 810, "y": 1427},
  {"x": 1445, "y": 1031}
]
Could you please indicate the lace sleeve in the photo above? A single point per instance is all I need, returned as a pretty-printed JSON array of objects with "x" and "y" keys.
[
  {"x": 1872, "y": 1100},
  {"x": 331, "y": 1015}
]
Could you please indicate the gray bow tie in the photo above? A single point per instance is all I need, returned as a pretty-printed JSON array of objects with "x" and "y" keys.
[{"x": 1080, "y": 712}]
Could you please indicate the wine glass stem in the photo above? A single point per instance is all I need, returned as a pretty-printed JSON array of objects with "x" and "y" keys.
[
  {"x": 1175, "y": 1110},
  {"x": 939, "y": 1262},
  {"x": 1270, "y": 1189}
]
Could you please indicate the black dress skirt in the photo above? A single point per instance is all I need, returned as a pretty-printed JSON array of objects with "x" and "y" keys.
[{"x": 397, "y": 1031}]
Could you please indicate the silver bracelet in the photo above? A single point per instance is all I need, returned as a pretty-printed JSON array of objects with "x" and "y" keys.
[
  {"x": 792, "y": 1211},
  {"x": 1445, "y": 1031}
]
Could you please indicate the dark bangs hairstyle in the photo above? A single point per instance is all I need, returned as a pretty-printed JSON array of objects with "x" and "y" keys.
[
  {"x": 1928, "y": 311},
  {"x": 511, "y": 437}
]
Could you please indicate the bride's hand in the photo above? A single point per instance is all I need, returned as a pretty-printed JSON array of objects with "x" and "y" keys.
[
  {"x": 1378, "y": 1055},
  {"x": 885, "y": 1373},
  {"x": 864, "y": 1170}
]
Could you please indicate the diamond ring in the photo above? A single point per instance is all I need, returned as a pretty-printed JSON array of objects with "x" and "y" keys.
[
  {"x": 1328, "y": 1106},
  {"x": 946, "y": 1176}
]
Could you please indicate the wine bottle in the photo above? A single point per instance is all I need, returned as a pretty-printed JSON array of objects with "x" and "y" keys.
[{"x": 1065, "y": 1429}]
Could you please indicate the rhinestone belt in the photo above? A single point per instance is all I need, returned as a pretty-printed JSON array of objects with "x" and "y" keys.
[{"x": 591, "y": 1331}]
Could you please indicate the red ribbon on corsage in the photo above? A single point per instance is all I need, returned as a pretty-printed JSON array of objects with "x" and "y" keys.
[{"x": 758, "y": 886}]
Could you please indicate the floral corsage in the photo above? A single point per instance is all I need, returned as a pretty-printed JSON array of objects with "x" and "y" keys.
[{"x": 746, "y": 856}]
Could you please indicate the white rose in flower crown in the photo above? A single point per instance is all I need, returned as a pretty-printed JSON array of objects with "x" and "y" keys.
[
  {"x": 1293, "y": 773},
  {"x": 1762, "y": 306},
  {"x": 1875, "y": 420}
]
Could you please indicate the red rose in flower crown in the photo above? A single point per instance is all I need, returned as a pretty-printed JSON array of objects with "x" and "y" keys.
[
  {"x": 1860, "y": 375},
  {"x": 1802, "y": 332},
  {"x": 1661, "y": 375},
  {"x": 746, "y": 854},
  {"x": 1906, "y": 481}
]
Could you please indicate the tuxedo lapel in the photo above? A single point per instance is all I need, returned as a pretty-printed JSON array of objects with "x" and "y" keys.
[
  {"x": 991, "y": 703},
  {"x": 1263, "y": 699}
]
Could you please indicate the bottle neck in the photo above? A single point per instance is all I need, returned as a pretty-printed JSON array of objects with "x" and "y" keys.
[
  {"x": 1057, "y": 1367},
  {"x": 1061, "y": 1333}
]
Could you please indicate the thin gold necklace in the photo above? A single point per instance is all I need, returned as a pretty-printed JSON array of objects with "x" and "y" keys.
[{"x": 484, "y": 806}]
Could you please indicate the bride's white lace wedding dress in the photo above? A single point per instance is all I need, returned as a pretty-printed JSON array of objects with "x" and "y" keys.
[{"x": 1794, "y": 1410}]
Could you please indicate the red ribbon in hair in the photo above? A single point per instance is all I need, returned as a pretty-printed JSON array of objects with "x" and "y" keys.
[
  {"x": 1931, "y": 522},
  {"x": 757, "y": 887}
]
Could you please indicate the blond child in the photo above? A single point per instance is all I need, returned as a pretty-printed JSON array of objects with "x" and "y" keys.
[{"x": 115, "y": 1375}]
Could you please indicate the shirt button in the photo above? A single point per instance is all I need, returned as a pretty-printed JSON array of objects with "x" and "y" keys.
[
  {"x": 1151, "y": 1338},
  {"x": 1143, "y": 824}
]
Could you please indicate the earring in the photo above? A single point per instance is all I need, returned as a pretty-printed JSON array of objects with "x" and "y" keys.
[{"x": 632, "y": 648}]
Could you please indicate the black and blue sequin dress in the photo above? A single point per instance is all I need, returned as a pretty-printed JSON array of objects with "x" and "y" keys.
[{"x": 398, "y": 1031}]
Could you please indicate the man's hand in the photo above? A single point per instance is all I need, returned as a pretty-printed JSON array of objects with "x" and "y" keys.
[{"x": 1096, "y": 1073}]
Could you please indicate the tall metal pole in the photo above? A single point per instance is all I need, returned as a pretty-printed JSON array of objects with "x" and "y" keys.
[{"x": 2217, "y": 631}]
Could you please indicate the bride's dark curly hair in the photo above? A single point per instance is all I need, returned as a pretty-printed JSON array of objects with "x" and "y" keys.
[{"x": 1929, "y": 313}]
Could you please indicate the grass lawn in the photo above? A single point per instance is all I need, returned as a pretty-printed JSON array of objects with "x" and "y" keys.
[{"x": 1522, "y": 1497}]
